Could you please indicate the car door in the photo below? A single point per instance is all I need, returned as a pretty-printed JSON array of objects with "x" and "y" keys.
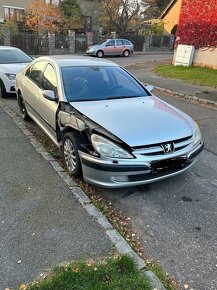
[
  {"x": 47, "y": 109},
  {"x": 29, "y": 86},
  {"x": 120, "y": 46},
  {"x": 110, "y": 47}
]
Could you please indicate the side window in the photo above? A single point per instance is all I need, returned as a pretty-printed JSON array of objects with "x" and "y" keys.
[
  {"x": 35, "y": 71},
  {"x": 120, "y": 42},
  {"x": 49, "y": 79},
  {"x": 111, "y": 43},
  {"x": 127, "y": 42}
]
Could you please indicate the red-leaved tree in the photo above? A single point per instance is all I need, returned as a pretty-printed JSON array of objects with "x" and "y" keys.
[{"x": 198, "y": 23}]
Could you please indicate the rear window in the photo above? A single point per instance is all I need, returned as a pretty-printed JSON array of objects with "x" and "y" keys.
[
  {"x": 8, "y": 56},
  {"x": 99, "y": 83}
]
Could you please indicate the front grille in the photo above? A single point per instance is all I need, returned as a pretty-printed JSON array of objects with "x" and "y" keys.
[
  {"x": 161, "y": 168},
  {"x": 157, "y": 149}
]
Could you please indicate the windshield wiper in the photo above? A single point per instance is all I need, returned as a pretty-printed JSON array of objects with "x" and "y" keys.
[{"x": 122, "y": 97}]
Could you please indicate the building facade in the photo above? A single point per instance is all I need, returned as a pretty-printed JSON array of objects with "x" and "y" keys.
[
  {"x": 13, "y": 10},
  {"x": 170, "y": 15}
]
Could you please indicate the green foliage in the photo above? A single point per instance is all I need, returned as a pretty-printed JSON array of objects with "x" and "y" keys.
[
  {"x": 71, "y": 15},
  {"x": 12, "y": 26},
  {"x": 70, "y": 8},
  {"x": 157, "y": 28},
  {"x": 196, "y": 75},
  {"x": 114, "y": 273}
]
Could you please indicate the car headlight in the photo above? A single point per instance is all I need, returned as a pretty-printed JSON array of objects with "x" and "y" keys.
[
  {"x": 108, "y": 149},
  {"x": 12, "y": 77},
  {"x": 197, "y": 134}
]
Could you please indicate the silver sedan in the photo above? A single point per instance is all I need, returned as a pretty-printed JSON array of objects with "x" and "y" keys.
[{"x": 110, "y": 128}]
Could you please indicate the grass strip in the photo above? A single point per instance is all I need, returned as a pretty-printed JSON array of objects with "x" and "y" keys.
[
  {"x": 113, "y": 273},
  {"x": 196, "y": 75}
]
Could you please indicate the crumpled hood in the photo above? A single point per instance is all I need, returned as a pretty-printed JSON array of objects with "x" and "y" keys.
[
  {"x": 138, "y": 121},
  {"x": 12, "y": 68}
]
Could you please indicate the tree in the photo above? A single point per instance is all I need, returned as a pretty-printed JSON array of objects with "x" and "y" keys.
[
  {"x": 42, "y": 17},
  {"x": 71, "y": 15},
  {"x": 155, "y": 8},
  {"x": 118, "y": 15}
]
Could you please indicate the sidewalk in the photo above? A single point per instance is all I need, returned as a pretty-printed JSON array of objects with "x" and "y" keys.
[
  {"x": 41, "y": 222},
  {"x": 45, "y": 218},
  {"x": 144, "y": 72}
]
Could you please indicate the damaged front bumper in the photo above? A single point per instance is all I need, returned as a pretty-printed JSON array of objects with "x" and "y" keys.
[{"x": 141, "y": 170}]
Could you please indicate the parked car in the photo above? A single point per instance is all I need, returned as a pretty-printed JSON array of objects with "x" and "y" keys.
[
  {"x": 12, "y": 60},
  {"x": 110, "y": 127},
  {"x": 111, "y": 47}
]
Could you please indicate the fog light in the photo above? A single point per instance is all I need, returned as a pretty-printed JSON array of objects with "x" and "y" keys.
[{"x": 120, "y": 178}]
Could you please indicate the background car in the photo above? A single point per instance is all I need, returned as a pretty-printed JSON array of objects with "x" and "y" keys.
[
  {"x": 12, "y": 60},
  {"x": 111, "y": 47},
  {"x": 111, "y": 129}
]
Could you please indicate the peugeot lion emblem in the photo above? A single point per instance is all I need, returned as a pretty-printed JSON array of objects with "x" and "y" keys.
[{"x": 168, "y": 147}]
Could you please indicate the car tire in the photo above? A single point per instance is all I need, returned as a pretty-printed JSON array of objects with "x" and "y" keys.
[
  {"x": 22, "y": 106},
  {"x": 3, "y": 93},
  {"x": 100, "y": 53},
  {"x": 126, "y": 53},
  {"x": 71, "y": 146}
]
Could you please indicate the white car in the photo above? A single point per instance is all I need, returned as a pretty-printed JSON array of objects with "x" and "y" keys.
[{"x": 12, "y": 60}]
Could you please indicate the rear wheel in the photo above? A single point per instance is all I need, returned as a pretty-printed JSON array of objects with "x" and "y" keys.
[
  {"x": 126, "y": 53},
  {"x": 3, "y": 93},
  {"x": 71, "y": 145},
  {"x": 22, "y": 106},
  {"x": 100, "y": 53}
]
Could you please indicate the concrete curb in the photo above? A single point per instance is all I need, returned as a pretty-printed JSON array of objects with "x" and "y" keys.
[
  {"x": 117, "y": 240},
  {"x": 188, "y": 97}
]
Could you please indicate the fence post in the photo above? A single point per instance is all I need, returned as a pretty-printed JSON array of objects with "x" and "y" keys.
[
  {"x": 89, "y": 36},
  {"x": 71, "y": 35},
  {"x": 51, "y": 42},
  {"x": 7, "y": 36}
]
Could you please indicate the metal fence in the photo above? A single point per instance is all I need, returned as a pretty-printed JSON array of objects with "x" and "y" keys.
[
  {"x": 80, "y": 42},
  {"x": 1, "y": 40},
  {"x": 31, "y": 43},
  {"x": 161, "y": 43}
]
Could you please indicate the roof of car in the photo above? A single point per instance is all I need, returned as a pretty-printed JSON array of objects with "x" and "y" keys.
[
  {"x": 7, "y": 47},
  {"x": 75, "y": 60}
]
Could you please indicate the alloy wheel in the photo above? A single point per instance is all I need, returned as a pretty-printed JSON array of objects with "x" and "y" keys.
[{"x": 69, "y": 155}]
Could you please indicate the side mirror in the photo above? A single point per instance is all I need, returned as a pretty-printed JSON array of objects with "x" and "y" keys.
[
  {"x": 49, "y": 95},
  {"x": 149, "y": 88}
]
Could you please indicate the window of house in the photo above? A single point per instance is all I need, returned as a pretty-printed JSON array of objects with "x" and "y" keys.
[
  {"x": 14, "y": 14},
  {"x": 53, "y": 2}
]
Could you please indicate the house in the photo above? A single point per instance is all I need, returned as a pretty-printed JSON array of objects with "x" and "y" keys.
[
  {"x": 198, "y": 27},
  {"x": 13, "y": 10},
  {"x": 170, "y": 15}
]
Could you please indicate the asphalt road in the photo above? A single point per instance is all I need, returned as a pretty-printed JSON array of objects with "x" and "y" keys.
[{"x": 176, "y": 218}]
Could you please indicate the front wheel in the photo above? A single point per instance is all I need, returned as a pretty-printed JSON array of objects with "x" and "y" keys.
[
  {"x": 71, "y": 145},
  {"x": 126, "y": 53},
  {"x": 100, "y": 53},
  {"x": 3, "y": 93}
]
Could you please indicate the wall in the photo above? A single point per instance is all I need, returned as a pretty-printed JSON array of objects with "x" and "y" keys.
[
  {"x": 15, "y": 3},
  {"x": 206, "y": 57},
  {"x": 172, "y": 17}
]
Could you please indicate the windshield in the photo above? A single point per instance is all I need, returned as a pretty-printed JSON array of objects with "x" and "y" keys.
[
  {"x": 99, "y": 83},
  {"x": 102, "y": 41},
  {"x": 8, "y": 56}
]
